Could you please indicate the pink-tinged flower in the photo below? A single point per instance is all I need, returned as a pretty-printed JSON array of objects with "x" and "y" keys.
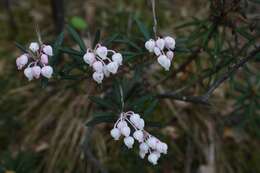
[
  {"x": 47, "y": 71},
  {"x": 47, "y": 49},
  {"x": 160, "y": 43},
  {"x": 44, "y": 59},
  {"x": 98, "y": 66},
  {"x": 102, "y": 52},
  {"x": 36, "y": 71}
]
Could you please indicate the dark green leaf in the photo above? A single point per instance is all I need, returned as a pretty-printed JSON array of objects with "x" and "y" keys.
[
  {"x": 76, "y": 37},
  {"x": 101, "y": 119},
  {"x": 142, "y": 28},
  {"x": 22, "y": 48}
]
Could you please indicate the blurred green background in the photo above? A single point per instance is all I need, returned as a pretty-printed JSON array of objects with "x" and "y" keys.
[{"x": 43, "y": 128}]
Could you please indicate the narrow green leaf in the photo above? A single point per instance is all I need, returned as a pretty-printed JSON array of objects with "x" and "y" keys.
[
  {"x": 76, "y": 37},
  {"x": 151, "y": 107},
  {"x": 97, "y": 38},
  {"x": 22, "y": 48},
  {"x": 101, "y": 102},
  {"x": 142, "y": 28}
]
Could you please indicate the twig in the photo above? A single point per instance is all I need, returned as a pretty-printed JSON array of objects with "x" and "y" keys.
[{"x": 203, "y": 99}]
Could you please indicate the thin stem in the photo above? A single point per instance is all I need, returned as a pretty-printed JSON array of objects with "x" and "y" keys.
[
  {"x": 122, "y": 98},
  {"x": 154, "y": 19}
]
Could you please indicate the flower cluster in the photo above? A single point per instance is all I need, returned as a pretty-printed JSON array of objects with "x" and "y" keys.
[
  {"x": 37, "y": 58},
  {"x": 148, "y": 144},
  {"x": 100, "y": 62},
  {"x": 159, "y": 47}
]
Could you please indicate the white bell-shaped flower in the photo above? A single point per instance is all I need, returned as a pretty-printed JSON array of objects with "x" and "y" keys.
[
  {"x": 142, "y": 154},
  {"x": 153, "y": 158},
  {"x": 44, "y": 59},
  {"x": 152, "y": 142},
  {"x": 129, "y": 141},
  {"x": 47, "y": 49},
  {"x": 149, "y": 45},
  {"x": 47, "y": 71},
  {"x": 125, "y": 131},
  {"x": 98, "y": 66},
  {"x": 164, "y": 147},
  {"x": 89, "y": 58},
  {"x": 121, "y": 124},
  {"x": 115, "y": 133},
  {"x": 98, "y": 77},
  {"x": 140, "y": 124},
  {"x": 144, "y": 147},
  {"x": 102, "y": 52},
  {"x": 170, "y": 54},
  {"x": 164, "y": 62},
  {"x": 169, "y": 42},
  {"x": 36, "y": 71},
  {"x": 157, "y": 51},
  {"x": 135, "y": 118},
  {"x": 23, "y": 59},
  {"x": 138, "y": 135},
  {"x": 117, "y": 57},
  {"x": 160, "y": 43},
  {"x": 112, "y": 67},
  {"x": 28, "y": 73},
  {"x": 34, "y": 47}
]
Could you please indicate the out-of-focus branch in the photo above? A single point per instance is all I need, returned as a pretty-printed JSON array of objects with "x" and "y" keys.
[
  {"x": 58, "y": 14},
  {"x": 204, "y": 99}
]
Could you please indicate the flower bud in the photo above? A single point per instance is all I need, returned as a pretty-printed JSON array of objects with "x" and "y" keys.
[
  {"x": 164, "y": 62},
  {"x": 125, "y": 131},
  {"x": 112, "y": 67},
  {"x": 34, "y": 47},
  {"x": 117, "y": 57},
  {"x": 157, "y": 51},
  {"x": 149, "y": 45},
  {"x": 98, "y": 66},
  {"x": 152, "y": 142},
  {"x": 160, "y": 43},
  {"x": 153, "y": 158},
  {"x": 138, "y": 135},
  {"x": 115, "y": 133},
  {"x": 89, "y": 58},
  {"x": 170, "y": 54},
  {"x": 121, "y": 124},
  {"x": 142, "y": 154},
  {"x": 36, "y": 71},
  {"x": 129, "y": 141},
  {"x": 102, "y": 52},
  {"x": 44, "y": 59},
  {"x": 47, "y": 71},
  {"x": 98, "y": 77},
  {"x": 144, "y": 147},
  {"x": 169, "y": 42},
  {"x": 47, "y": 49},
  {"x": 28, "y": 73}
]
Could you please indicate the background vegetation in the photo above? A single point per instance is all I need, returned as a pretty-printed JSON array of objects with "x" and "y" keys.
[{"x": 206, "y": 108}]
